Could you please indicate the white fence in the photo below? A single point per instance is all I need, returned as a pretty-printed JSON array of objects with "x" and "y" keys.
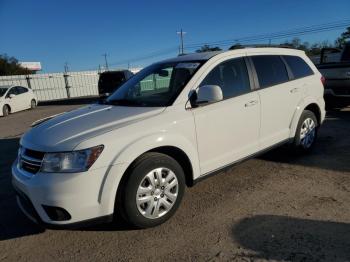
[{"x": 57, "y": 85}]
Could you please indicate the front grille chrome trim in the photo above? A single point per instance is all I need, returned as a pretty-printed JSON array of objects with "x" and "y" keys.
[
  {"x": 31, "y": 160},
  {"x": 29, "y": 164}
]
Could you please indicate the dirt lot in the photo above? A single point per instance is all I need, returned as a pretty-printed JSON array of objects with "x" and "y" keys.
[{"x": 275, "y": 207}]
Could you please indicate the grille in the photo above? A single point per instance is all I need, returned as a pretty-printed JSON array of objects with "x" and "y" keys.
[{"x": 30, "y": 160}]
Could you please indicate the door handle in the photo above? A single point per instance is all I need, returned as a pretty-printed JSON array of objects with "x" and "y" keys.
[
  {"x": 251, "y": 103},
  {"x": 294, "y": 90}
]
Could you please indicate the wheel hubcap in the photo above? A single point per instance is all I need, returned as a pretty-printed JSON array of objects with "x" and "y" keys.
[
  {"x": 157, "y": 193},
  {"x": 307, "y": 132}
]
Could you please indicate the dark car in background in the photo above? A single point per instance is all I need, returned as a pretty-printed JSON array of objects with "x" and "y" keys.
[
  {"x": 334, "y": 65},
  {"x": 110, "y": 81}
]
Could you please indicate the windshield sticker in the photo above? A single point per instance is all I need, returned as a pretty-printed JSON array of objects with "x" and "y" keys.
[{"x": 187, "y": 65}]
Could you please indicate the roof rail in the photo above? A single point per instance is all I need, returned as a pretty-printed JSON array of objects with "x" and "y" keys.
[{"x": 240, "y": 46}]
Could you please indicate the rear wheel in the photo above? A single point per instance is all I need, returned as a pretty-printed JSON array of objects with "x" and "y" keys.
[
  {"x": 153, "y": 190},
  {"x": 33, "y": 104},
  {"x": 5, "y": 110},
  {"x": 306, "y": 132}
]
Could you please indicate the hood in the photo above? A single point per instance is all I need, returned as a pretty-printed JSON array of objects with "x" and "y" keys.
[{"x": 66, "y": 131}]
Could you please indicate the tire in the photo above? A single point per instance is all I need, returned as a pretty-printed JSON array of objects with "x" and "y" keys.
[
  {"x": 5, "y": 110},
  {"x": 33, "y": 104},
  {"x": 146, "y": 205},
  {"x": 306, "y": 132}
]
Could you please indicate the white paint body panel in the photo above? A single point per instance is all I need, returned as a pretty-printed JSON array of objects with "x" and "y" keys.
[{"x": 212, "y": 137}]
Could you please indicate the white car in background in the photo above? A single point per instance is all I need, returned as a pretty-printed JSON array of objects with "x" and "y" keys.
[{"x": 16, "y": 98}]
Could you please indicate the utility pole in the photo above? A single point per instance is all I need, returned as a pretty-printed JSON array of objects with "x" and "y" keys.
[
  {"x": 66, "y": 82},
  {"x": 181, "y": 34},
  {"x": 106, "y": 63},
  {"x": 66, "y": 67}
]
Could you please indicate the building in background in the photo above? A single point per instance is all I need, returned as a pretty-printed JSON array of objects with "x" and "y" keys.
[{"x": 31, "y": 66}]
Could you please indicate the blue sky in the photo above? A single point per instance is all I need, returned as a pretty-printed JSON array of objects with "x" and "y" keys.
[{"x": 79, "y": 32}]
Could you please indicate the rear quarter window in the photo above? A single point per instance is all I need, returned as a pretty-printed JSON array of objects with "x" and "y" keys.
[
  {"x": 298, "y": 66},
  {"x": 270, "y": 69}
]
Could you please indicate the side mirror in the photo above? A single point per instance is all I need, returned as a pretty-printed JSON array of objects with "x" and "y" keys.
[
  {"x": 12, "y": 96},
  {"x": 209, "y": 94}
]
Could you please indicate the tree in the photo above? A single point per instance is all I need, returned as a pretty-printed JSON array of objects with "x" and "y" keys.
[
  {"x": 343, "y": 38},
  {"x": 207, "y": 48},
  {"x": 10, "y": 66},
  {"x": 297, "y": 44}
]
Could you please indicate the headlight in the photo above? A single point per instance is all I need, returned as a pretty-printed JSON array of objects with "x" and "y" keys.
[{"x": 70, "y": 162}]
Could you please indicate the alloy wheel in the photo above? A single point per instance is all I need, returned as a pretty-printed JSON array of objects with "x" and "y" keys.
[
  {"x": 157, "y": 193},
  {"x": 307, "y": 133}
]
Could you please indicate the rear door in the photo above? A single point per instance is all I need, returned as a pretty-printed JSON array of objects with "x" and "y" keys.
[{"x": 279, "y": 98}]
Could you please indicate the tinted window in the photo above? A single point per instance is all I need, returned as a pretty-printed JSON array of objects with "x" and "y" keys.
[
  {"x": 298, "y": 66},
  {"x": 231, "y": 76},
  {"x": 156, "y": 85},
  {"x": 12, "y": 91},
  {"x": 270, "y": 69},
  {"x": 21, "y": 90}
]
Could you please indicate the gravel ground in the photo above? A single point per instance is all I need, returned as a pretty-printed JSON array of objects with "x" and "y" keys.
[{"x": 278, "y": 207}]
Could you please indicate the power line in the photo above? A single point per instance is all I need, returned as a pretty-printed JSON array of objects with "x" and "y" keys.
[
  {"x": 145, "y": 57},
  {"x": 330, "y": 26},
  {"x": 281, "y": 34}
]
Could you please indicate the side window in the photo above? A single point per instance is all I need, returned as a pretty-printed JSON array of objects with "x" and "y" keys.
[
  {"x": 12, "y": 91},
  {"x": 21, "y": 90},
  {"x": 231, "y": 76},
  {"x": 270, "y": 70},
  {"x": 298, "y": 66}
]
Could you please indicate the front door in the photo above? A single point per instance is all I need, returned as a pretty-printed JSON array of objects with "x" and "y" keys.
[
  {"x": 228, "y": 130},
  {"x": 13, "y": 101}
]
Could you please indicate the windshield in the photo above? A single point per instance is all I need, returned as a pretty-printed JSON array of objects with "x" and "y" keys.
[
  {"x": 155, "y": 86},
  {"x": 3, "y": 91}
]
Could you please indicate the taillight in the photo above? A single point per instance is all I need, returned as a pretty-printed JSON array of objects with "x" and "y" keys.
[{"x": 323, "y": 80}]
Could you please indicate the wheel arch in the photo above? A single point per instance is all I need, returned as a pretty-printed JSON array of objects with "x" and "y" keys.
[
  {"x": 176, "y": 147},
  {"x": 313, "y": 107},
  {"x": 10, "y": 109},
  {"x": 181, "y": 157},
  {"x": 306, "y": 104}
]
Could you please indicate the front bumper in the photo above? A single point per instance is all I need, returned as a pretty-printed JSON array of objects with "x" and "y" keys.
[{"x": 76, "y": 193}]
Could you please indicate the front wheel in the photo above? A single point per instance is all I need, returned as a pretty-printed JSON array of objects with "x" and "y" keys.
[
  {"x": 306, "y": 132},
  {"x": 153, "y": 190},
  {"x": 5, "y": 110}
]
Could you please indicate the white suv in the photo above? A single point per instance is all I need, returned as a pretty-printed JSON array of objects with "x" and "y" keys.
[{"x": 172, "y": 124}]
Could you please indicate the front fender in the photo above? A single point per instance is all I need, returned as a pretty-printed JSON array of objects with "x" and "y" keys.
[{"x": 132, "y": 151}]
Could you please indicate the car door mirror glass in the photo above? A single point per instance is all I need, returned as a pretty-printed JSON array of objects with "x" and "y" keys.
[{"x": 209, "y": 94}]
